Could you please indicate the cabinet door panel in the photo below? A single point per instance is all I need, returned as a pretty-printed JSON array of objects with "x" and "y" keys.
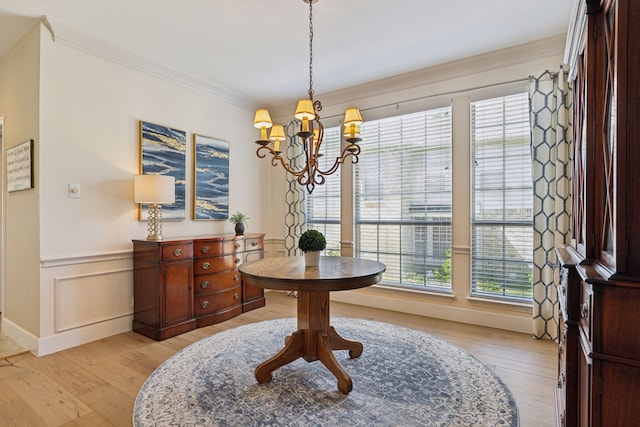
[{"x": 178, "y": 294}]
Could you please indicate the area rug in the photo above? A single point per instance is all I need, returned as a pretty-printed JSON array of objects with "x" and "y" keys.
[{"x": 404, "y": 377}]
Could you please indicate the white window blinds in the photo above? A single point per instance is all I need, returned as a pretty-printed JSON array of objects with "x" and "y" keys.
[
  {"x": 403, "y": 198},
  {"x": 323, "y": 205},
  {"x": 502, "y": 198}
]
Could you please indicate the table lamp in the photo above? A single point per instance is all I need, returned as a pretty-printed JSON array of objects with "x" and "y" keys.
[{"x": 154, "y": 190}]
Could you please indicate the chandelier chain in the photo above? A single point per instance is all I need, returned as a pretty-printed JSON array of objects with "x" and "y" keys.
[{"x": 311, "y": 50}]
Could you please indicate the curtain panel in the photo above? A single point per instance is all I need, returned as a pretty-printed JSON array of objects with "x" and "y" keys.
[
  {"x": 295, "y": 197},
  {"x": 551, "y": 149}
]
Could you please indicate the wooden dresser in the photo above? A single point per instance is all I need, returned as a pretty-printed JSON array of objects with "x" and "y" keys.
[
  {"x": 183, "y": 284},
  {"x": 599, "y": 290}
]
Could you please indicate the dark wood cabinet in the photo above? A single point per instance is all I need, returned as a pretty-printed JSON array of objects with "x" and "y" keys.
[
  {"x": 183, "y": 284},
  {"x": 599, "y": 290},
  {"x": 163, "y": 288}
]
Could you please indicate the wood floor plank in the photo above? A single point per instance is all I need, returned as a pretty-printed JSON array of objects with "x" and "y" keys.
[{"x": 96, "y": 384}]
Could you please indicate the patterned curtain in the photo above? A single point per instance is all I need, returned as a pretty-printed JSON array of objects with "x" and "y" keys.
[
  {"x": 550, "y": 106},
  {"x": 295, "y": 216}
]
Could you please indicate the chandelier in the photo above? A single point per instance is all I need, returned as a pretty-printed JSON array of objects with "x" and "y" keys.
[{"x": 310, "y": 132}]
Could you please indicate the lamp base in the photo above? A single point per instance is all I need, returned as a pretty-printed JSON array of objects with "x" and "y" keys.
[{"x": 154, "y": 227}]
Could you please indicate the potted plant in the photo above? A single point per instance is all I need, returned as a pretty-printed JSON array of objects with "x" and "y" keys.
[
  {"x": 311, "y": 242},
  {"x": 239, "y": 220}
]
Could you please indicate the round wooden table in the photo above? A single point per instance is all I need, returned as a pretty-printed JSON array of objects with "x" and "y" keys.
[{"x": 315, "y": 338}]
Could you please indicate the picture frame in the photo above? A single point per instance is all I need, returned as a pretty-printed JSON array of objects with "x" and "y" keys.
[
  {"x": 163, "y": 152},
  {"x": 210, "y": 178},
  {"x": 20, "y": 167}
]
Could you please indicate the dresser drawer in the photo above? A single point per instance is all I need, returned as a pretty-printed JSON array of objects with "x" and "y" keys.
[
  {"x": 209, "y": 304},
  {"x": 586, "y": 311},
  {"x": 205, "y": 248},
  {"x": 210, "y": 283},
  {"x": 177, "y": 252},
  {"x": 216, "y": 264},
  {"x": 254, "y": 244}
]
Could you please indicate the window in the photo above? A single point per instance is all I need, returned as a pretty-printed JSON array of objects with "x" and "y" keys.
[
  {"x": 403, "y": 198},
  {"x": 323, "y": 205},
  {"x": 502, "y": 199}
]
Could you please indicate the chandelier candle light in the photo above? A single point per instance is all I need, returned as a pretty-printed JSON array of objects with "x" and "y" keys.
[{"x": 310, "y": 132}]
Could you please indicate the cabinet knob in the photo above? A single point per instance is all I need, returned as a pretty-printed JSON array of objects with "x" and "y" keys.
[
  {"x": 204, "y": 284},
  {"x": 206, "y": 249},
  {"x": 236, "y": 277},
  {"x": 177, "y": 252},
  {"x": 236, "y": 296},
  {"x": 204, "y": 304},
  {"x": 206, "y": 265},
  {"x": 584, "y": 310},
  {"x": 237, "y": 260}
]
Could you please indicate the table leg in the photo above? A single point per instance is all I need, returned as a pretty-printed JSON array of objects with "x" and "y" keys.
[
  {"x": 336, "y": 342},
  {"x": 293, "y": 349},
  {"x": 314, "y": 340},
  {"x": 328, "y": 359}
]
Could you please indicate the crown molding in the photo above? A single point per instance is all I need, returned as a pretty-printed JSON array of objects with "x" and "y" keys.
[
  {"x": 448, "y": 71},
  {"x": 451, "y": 70},
  {"x": 89, "y": 44}
]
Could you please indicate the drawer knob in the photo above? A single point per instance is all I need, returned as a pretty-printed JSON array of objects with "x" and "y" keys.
[
  {"x": 236, "y": 296},
  {"x": 206, "y": 265},
  {"x": 584, "y": 310},
  {"x": 237, "y": 260},
  {"x": 236, "y": 277},
  {"x": 204, "y": 284},
  {"x": 254, "y": 243},
  {"x": 206, "y": 249},
  {"x": 204, "y": 304},
  {"x": 237, "y": 245},
  {"x": 177, "y": 252}
]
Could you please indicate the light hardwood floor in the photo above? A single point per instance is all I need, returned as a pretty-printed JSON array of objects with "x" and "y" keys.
[{"x": 96, "y": 384}]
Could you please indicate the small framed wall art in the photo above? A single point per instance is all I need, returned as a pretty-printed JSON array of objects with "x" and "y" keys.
[
  {"x": 163, "y": 152},
  {"x": 20, "y": 167},
  {"x": 210, "y": 178}
]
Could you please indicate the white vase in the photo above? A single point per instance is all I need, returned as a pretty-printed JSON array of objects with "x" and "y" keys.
[{"x": 312, "y": 258}]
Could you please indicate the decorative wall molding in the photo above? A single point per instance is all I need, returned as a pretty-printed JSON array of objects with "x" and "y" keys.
[
  {"x": 85, "y": 259},
  {"x": 89, "y": 44},
  {"x": 104, "y": 295},
  {"x": 448, "y": 71},
  {"x": 444, "y": 72}
]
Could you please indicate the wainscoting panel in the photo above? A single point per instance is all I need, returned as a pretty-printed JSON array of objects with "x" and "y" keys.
[{"x": 82, "y": 300}]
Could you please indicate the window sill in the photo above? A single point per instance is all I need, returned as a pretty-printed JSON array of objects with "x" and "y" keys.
[
  {"x": 400, "y": 289},
  {"x": 510, "y": 305}
]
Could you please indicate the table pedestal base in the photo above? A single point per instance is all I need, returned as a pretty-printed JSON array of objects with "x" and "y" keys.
[{"x": 314, "y": 340}]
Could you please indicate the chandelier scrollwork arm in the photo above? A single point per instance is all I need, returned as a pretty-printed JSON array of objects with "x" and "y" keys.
[{"x": 310, "y": 133}]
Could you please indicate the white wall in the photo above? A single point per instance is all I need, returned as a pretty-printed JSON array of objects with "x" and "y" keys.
[
  {"x": 453, "y": 84},
  {"x": 19, "y": 104},
  {"x": 89, "y": 116}
]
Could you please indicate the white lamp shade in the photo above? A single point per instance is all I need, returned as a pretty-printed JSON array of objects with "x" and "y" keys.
[{"x": 154, "y": 189}]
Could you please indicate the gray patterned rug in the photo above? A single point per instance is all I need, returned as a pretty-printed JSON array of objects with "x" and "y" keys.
[{"x": 403, "y": 378}]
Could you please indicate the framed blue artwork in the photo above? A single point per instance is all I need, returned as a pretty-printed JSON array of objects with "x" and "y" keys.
[
  {"x": 163, "y": 152},
  {"x": 210, "y": 178}
]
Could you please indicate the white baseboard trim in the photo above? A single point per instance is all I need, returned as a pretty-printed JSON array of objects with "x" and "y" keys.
[
  {"x": 79, "y": 336},
  {"x": 434, "y": 307}
]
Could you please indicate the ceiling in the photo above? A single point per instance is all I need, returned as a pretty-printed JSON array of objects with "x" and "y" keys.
[{"x": 257, "y": 51}]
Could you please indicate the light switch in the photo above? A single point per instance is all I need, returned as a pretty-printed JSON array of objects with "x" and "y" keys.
[{"x": 74, "y": 191}]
